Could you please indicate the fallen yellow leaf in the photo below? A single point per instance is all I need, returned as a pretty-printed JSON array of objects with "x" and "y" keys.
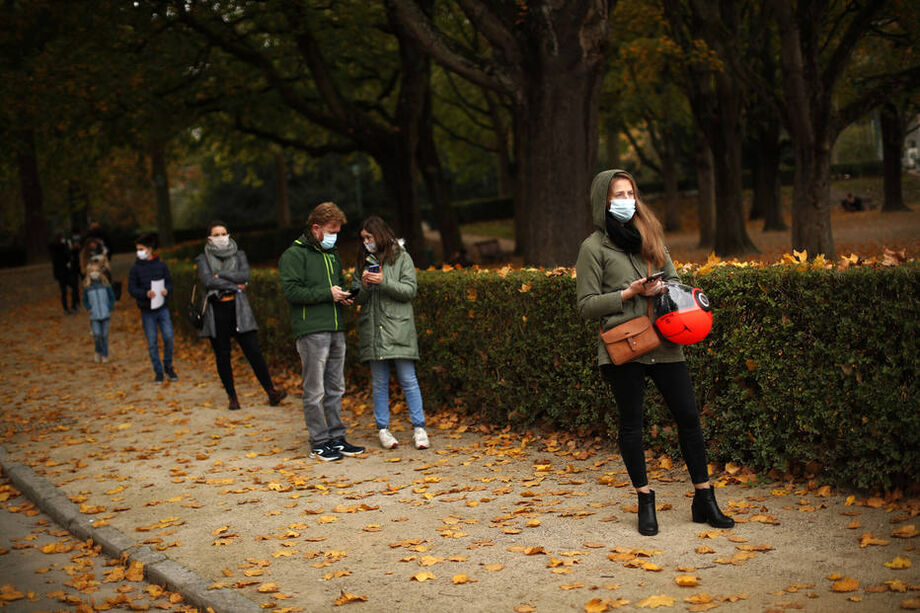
[
  {"x": 847, "y": 584},
  {"x": 423, "y": 576},
  {"x": 460, "y": 579},
  {"x": 898, "y": 563},
  {"x": 687, "y": 580},
  {"x": 347, "y": 598},
  {"x": 653, "y": 602}
]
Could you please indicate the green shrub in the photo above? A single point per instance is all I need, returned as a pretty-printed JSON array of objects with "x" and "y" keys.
[{"x": 801, "y": 367}]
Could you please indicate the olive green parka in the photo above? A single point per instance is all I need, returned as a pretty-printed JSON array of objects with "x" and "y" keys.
[
  {"x": 386, "y": 321},
  {"x": 603, "y": 270}
]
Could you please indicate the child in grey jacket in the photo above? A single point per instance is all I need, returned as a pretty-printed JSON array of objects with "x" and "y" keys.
[{"x": 99, "y": 300}]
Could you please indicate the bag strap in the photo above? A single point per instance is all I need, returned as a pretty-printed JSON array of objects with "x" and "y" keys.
[
  {"x": 649, "y": 264},
  {"x": 192, "y": 299}
]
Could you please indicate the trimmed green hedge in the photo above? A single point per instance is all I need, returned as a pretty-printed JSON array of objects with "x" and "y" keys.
[{"x": 815, "y": 366}]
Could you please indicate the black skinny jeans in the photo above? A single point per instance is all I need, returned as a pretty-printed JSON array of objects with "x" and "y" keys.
[
  {"x": 72, "y": 285},
  {"x": 224, "y": 329},
  {"x": 673, "y": 381}
]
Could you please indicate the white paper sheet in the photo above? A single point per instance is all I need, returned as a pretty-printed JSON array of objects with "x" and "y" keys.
[{"x": 157, "y": 285}]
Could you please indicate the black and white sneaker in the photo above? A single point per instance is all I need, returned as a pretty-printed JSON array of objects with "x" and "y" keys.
[
  {"x": 344, "y": 447},
  {"x": 325, "y": 453}
]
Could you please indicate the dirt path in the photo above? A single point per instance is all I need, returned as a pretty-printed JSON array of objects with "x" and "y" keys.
[{"x": 483, "y": 520}]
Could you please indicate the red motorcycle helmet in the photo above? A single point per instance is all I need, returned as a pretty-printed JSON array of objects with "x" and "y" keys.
[{"x": 684, "y": 314}]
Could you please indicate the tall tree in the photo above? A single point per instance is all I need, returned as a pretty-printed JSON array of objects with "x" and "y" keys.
[
  {"x": 347, "y": 70},
  {"x": 717, "y": 99},
  {"x": 549, "y": 59},
  {"x": 892, "y": 118},
  {"x": 825, "y": 48}
]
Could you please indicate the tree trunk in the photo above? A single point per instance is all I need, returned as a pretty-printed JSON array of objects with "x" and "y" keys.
[
  {"x": 35, "y": 228},
  {"x": 398, "y": 169},
  {"x": 892, "y": 148},
  {"x": 669, "y": 176},
  {"x": 811, "y": 219},
  {"x": 725, "y": 140},
  {"x": 705, "y": 180},
  {"x": 765, "y": 174},
  {"x": 160, "y": 180},
  {"x": 612, "y": 142},
  {"x": 284, "y": 204},
  {"x": 438, "y": 188},
  {"x": 557, "y": 149}
]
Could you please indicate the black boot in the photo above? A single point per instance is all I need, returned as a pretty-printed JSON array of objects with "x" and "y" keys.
[
  {"x": 234, "y": 403},
  {"x": 706, "y": 510},
  {"x": 648, "y": 523}
]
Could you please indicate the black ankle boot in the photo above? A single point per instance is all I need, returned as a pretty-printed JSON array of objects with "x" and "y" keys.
[
  {"x": 706, "y": 510},
  {"x": 234, "y": 403},
  {"x": 648, "y": 523}
]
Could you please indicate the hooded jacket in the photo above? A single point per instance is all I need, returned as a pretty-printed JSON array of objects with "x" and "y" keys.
[
  {"x": 307, "y": 273},
  {"x": 386, "y": 323},
  {"x": 603, "y": 270}
]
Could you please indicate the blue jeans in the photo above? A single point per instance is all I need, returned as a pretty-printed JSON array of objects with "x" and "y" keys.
[
  {"x": 100, "y": 328},
  {"x": 405, "y": 373},
  {"x": 152, "y": 320}
]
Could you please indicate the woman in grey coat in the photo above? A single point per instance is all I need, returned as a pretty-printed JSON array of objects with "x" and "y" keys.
[{"x": 224, "y": 273}]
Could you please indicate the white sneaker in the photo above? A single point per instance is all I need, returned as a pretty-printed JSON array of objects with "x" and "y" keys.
[
  {"x": 105, "y": 359},
  {"x": 98, "y": 358},
  {"x": 421, "y": 439},
  {"x": 387, "y": 440}
]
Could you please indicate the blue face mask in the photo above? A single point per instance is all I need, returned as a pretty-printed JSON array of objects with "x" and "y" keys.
[
  {"x": 328, "y": 241},
  {"x": 623, "y": 209}
]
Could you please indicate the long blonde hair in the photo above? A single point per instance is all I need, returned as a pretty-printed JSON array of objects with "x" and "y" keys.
[
  {"x": 653, "y": 249},
  {"x": 91, "y": 268}
]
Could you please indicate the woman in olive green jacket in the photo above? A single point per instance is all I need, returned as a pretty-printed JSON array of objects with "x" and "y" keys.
[
  {"x": 626, "y": 247},
  {"x": 386, "y": 285}
]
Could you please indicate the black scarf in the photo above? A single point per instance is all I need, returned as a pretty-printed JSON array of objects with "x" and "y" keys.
[{"x": 625, "y": 236}]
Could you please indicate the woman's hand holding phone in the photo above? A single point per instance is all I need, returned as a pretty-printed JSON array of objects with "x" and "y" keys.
[{"x": 372, "y": 275}]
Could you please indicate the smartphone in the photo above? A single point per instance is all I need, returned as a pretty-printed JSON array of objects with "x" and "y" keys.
[
  {"x": 373, "y": 268},
  {"x": 354, "y": 292},
  {"x": 654, "y": 277}
]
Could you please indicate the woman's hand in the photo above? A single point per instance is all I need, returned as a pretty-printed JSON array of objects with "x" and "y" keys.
[
  {"x": 640, "y": 288},
  {"x": 371, "y": 278}
]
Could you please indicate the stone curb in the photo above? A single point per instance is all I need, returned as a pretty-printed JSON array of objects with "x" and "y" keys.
[{"x": 158, "y": 568}]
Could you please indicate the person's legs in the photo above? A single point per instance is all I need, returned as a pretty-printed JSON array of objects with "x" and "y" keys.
[
  {"x": 148, "y": 318},
  {"x": 62, "y": 283},
  {"x": 380, "y": 382},
  {"x": 96, "y": 326},
  {"x": 334, "y": 381},
  {"x": 314, "y": 353},
  {"x": 166, "y": 330},
  {"x": 220, "y": 343},
  {"x": 74, "y": 293},
  {"x": 405, "y": 373},
  {"x": 628, "y": 384},
  {"x": 104, "y": 326},
  {"x": 674, "y": 383},
  {"x": 249, "y": 343}
]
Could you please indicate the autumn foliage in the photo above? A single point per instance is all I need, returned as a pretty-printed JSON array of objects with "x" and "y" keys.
[{"x": 809, "y": 363}]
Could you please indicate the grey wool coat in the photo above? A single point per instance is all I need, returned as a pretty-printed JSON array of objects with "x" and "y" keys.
[
  {"x": 603, "y": 270},
  {"x": 226, "y": 281}
]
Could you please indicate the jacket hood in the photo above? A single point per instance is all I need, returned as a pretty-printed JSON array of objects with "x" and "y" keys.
[{"x": 599, "y": 187}]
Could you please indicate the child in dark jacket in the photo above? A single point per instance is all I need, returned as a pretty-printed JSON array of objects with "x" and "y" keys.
[
  {"x": 150, "y": 284},
  {"x": 99, "y": 300}
]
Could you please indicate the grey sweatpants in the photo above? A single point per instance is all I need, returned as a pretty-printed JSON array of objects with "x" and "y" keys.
[{"x": 322, "y": 358}]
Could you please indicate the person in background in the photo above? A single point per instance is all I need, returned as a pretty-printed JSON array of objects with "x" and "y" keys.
[
  {"x": 224, "y": 273},
  {"x": 311, "y": 281},
  {"x": 66, "y": 272},
  {"x": 98, "y": 300},
  {"x": 611, "y": 285},
  {"x": 149, "y": 271},
  {"x": 386, "y": 325}
]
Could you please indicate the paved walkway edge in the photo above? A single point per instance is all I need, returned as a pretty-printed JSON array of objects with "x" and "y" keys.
[{"x": 158, "y": 568}]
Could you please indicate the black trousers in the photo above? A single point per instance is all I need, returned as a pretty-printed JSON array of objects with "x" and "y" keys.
[
  {"x": 225, "y": 329},
  {"x": 73, "y": 285},
  {"x": 673, "y": 381}
]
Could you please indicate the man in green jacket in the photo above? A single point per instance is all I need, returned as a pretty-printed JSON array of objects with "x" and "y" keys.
[{"x": 311, "y": 281}]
